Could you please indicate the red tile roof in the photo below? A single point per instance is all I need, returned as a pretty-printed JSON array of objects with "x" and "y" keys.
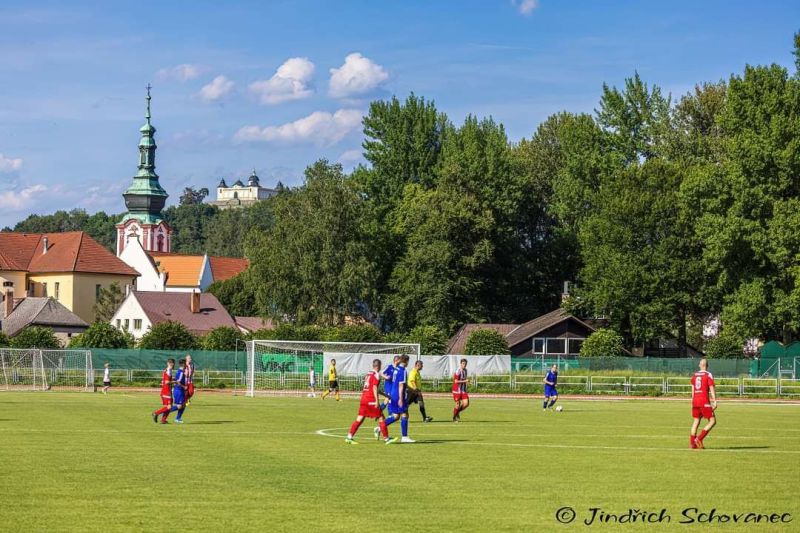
[
  {"x": 187, "y": 267},
  {"x": 227, "y": 267},
  {"x": 253, "y": 323},
  {"x": 175, "y": 306},
  {"x": 71, "y": 251}
]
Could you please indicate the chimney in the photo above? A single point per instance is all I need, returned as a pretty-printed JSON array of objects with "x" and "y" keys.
[
  {"x": 45, "y": 243},
  {"x": 194, "y": 304},
  {"x": 565, "y": 294},
  {"x": 8, "y": 302}
]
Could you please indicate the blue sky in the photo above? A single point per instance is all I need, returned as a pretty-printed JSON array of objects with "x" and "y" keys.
[{"x": 276, "y": 85}]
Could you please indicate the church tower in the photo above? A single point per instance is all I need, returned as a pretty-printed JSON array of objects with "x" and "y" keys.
[{"x": 145, "y": 199}]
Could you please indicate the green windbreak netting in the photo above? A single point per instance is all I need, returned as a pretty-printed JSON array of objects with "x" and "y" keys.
[{"x": 156, "y": 359}]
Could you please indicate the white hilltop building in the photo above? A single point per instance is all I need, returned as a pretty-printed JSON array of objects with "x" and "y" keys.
[{"x": 241, "y": 195}]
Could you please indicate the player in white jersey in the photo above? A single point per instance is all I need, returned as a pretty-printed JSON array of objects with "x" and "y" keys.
[{"x": 106, "y": 378}]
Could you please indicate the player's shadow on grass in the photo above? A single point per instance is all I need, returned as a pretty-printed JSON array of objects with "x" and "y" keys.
[{"x": 210, "y": 422}]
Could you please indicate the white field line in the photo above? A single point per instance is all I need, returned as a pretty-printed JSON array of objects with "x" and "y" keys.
[{"x": 326, "y": 433}]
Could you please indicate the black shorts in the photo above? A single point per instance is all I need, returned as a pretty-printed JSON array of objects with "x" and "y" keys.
[
  {"x": 333, "y": 384},
  {"x": 106, "y": 384},
  {"x": 414, "y": 396}
]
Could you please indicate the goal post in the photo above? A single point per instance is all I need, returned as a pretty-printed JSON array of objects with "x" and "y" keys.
[
  {"x": 40, "y": 370},
  {"x": 277, "y": 365}
]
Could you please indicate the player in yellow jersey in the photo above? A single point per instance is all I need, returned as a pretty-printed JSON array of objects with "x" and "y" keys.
[
  {"x": 333, "y": 382},
  {"x": 415, "y": 390}
]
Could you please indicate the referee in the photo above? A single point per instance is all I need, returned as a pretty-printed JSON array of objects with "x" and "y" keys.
[{"x": 415, "y": 390}]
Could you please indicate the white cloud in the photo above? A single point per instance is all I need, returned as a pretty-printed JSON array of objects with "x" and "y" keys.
[
  {"x": 290, "y": 82},
  {"x": 181, "y": 73},
  {"x": 218, "y": 88},
  {"x": 350, "y": 158},
  {"x": 358, "y": 75},
  {"x": 320, "y": 127},
  {"x": 8, "y": 164},
  {"x": 526, "y": 7},
  {"x": 15, "y": 201}
]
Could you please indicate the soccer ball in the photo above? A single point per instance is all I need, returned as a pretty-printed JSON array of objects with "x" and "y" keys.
[{"x": 559, "y": 408}]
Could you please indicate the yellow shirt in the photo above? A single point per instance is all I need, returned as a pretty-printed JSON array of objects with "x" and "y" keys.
[
  {"x": 332, "y": 373},
  {"x": 414, "y": 379}
]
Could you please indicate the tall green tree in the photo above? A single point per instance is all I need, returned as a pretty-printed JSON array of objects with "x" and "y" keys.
[
  {"x": 314, "y": 264},
  {"x": 108, "y": 301},
  {"x": 403, "y": 144},
  {"x": 747, "y": 206}
]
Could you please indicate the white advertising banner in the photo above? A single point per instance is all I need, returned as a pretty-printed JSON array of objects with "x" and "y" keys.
[{"x": 358, "y": 364}]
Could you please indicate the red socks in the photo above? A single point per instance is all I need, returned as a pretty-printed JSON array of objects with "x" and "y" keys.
[
  {"x": 384, "y": 429},
  {"x": 355, "y": 427},
  {"x": 456, "y": 411},
  {"x": 702, "y": 435},
  {"x": 691, "y": 441},
  {"x": 162, "y": 411}
]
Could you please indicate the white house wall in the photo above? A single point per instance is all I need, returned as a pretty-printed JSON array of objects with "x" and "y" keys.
[
  {"x": 134, "y": 256},
  {"x": 131, "y": 311}
]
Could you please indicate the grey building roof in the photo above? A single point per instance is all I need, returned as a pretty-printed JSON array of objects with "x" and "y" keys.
[{"x": 40, "y": 312}]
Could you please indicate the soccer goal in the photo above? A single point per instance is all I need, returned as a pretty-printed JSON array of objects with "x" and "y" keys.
[
  {"x": 274, "y": 365},
  {"x": 40, "y": 370}
]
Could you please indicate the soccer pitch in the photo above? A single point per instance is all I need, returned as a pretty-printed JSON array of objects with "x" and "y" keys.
[{"x": 79, "y": 461}]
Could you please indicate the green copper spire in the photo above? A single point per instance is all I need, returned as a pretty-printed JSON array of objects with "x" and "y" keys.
[{"x": 145, "y": 198}]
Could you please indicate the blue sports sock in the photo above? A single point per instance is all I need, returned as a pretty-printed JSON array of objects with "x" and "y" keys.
[
  {"x": 404, "y": 427},
  {"x": 552, "y": 402},
  {"x": 173, "y": 408},
  {"x": 544, "y": 404},
  {"x": 180, "y": 413},
  {"x": 391, "y": 420}
]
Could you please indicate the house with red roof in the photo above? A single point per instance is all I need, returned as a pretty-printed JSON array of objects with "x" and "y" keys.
[
  {"x": 199, "y": 312},
  {"x": 70, "y": 267}
]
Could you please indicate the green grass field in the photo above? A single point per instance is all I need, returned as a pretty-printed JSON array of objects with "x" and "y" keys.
[{"x": 79, "y": 461}]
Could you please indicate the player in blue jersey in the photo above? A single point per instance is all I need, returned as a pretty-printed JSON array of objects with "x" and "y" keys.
[
  {"x": 550, "y": 383},
  {"x": 398, "y": 406},
  {"x": 388, "y": 374},
  {"x": 179, "y": 391}
]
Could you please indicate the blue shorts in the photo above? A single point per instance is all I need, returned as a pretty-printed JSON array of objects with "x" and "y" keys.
[
  {"x": 178, "y": 396},
  {"x": 395, "y": 409},
  {"x": 550, "y": 390}
]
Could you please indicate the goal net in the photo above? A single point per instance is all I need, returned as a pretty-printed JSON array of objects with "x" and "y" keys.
[
  {"x": 285, "y": 366},
  {"x": 39, "y": 370}
]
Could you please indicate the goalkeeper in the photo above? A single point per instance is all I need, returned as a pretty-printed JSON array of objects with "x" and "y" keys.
[{"x": 415, "y": 390}]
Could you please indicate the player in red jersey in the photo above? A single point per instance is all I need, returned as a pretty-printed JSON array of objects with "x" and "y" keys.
[
  {"x": 189, "y": 373},
  {"x": 370, "y": 405},
  {"x": 460, "y": 391},
  {"x": 166, "y": 393},
  {"x": 704, "y": 401}
]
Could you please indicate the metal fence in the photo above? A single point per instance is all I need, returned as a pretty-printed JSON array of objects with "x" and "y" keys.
[{"x": 515, "y": 383}]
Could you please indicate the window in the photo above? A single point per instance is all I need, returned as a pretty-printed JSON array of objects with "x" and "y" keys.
[
  {"x": 556, "y": 346},
  {"x": 30, "y": 288},
  {"x": 137, "y": 323},
  {"x": 97, "y": 289},
  {"x": 127, "y": 323},
  {"x": 575, "y": 346},
  {"x": 538, "y": 345},
  {"x": 44, "y": 289},
  {"x": 56, "y": 290},
  {"x": 119, "y": 323}
]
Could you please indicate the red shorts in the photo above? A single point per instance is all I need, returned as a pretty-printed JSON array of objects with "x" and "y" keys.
[
  {"x": 369, "y": 410},
  {"x": 190, "y": 390},
  {"x": 458, "y": 396},
  {"x": 702, "y": 412},
  {"x": 166, "y": 400}
]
